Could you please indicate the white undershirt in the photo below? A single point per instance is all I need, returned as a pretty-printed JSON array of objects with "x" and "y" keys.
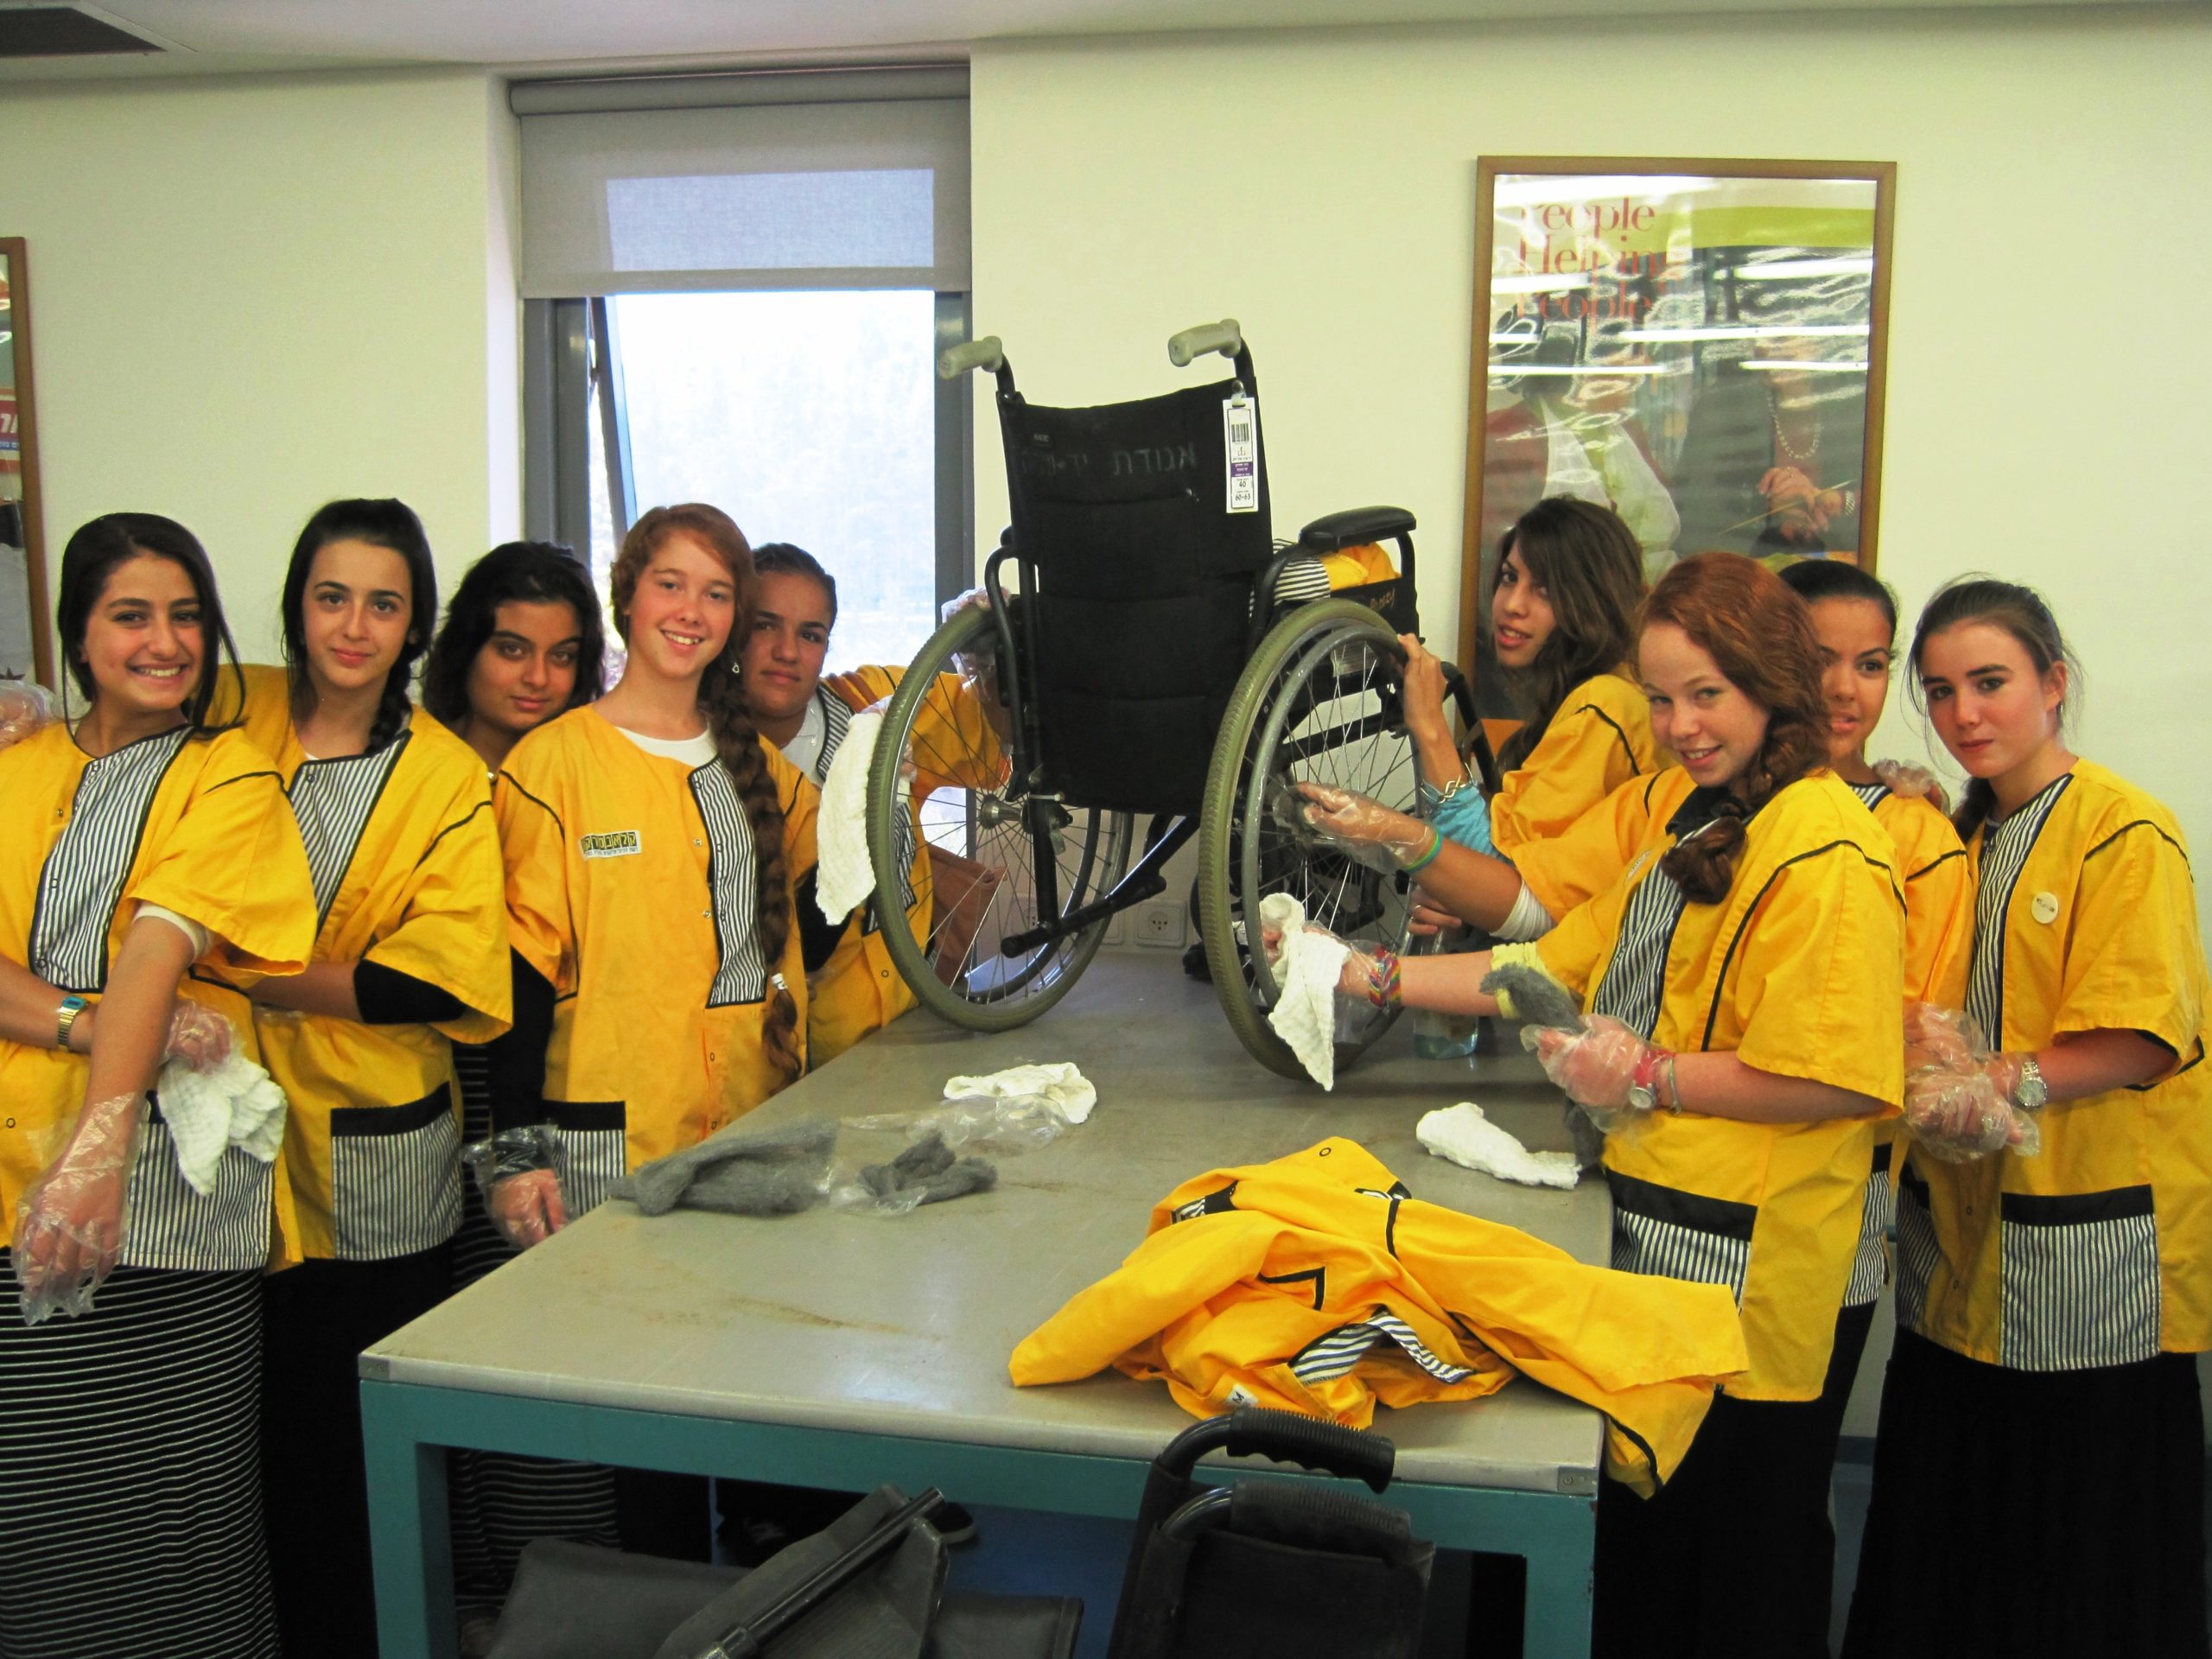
[
  {"x": 805, "y": 747},
  {"x": 688, "y": 751}
]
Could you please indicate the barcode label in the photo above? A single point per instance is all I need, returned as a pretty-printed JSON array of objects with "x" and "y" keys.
[{"x": 1240, "y": 423}]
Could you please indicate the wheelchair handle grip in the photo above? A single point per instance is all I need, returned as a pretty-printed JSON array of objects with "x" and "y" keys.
[
  {"x": 1224, "y": 337},
  {"x": 985, "y": 353}
]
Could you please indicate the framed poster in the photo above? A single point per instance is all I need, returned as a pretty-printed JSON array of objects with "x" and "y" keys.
[
  {"x": 26, "y": 629},
  {"x": 1697, "y": 343}
]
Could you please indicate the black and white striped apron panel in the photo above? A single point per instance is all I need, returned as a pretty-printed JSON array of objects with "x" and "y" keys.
[
  {"x": 1919, "y": 1254},
  {"x": 2004, "y": 849},
  {"x": 740, "y": 976},
  {"x": 168, "y": 1224},
  {"x": 2080, "y": 1279},
  {"x": 1870, "y": 1267},
  {"x": 478, "y": 1245},
  {"x": 1870, "y": 794},
  {"x": 836, "y": 721},
  {"x": 130, "y": 1519},
  {"x": 1636, "y": 976},
  {"x": 1669, "y": 1234},
  {"x": 591, "y": 1149},
  {"x": 331, "y": 802},
  {"x": 1340, "y": 1351},
  {"x": 395, "y": 1177},
  {"x": 82, "y": 881}
]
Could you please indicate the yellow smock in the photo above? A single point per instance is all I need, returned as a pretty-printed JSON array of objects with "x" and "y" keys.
[
  {"x": 630, "y": 888},
  {"x": 405, "y": 862},
  {"x": 859, "y": 989},
  {"x": 197, "y": 826},
  {"x": 1598, "y": 740},
  {"x": 1319, "y": 1284},
  {"x": 1798, "y": 971},
  {"x": 2098, "y": 1251}
]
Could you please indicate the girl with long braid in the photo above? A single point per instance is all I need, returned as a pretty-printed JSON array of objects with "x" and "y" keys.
[
  {"x": 653, "y": 839},
  {"x": 410, "y": 957}
]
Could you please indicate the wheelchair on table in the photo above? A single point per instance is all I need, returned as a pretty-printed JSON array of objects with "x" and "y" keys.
[{"x": 1161, "y": 657}]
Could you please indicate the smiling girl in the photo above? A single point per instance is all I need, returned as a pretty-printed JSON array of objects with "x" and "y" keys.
[
  {"x": 1570, "y": 577},
  {"x": 1743, "y": 985},
  {"x": 410, "y": 955},
  {"x": 2041, "y": 1410},
  {"x": 139, "y": 851}
]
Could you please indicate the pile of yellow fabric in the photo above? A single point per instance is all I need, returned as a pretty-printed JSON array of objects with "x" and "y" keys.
[{"x": 1317, "y": 1284}]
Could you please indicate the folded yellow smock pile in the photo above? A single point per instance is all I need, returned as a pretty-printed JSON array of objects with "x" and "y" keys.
[{"x": 1317, "y": 1284}]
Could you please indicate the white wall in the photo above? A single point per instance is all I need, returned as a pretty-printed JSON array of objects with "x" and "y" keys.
[
  {"x": 2048, "y": 362},
  {"x": 251, "y": 296}
]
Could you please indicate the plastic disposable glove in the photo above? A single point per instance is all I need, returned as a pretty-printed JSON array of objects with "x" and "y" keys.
[
  {"x": 1916, "y": 783},
  {"x": 199, "y": 1037},
  {"x": 522, "y": 1191},
  {"x": 69, "y": 1222},
  {"x": 1370, "y": 974},
  {"x": 1958, "y": 1116},
  {"x": 1374, "y": 834},
  {"x": 1605, "y": 1067},
  {"x": 24, "y": 708}
]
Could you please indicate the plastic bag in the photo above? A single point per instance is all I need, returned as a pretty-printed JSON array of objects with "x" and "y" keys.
[
  {"x": 928, "y": 1172},
  {"x": 1004, "y": 1123},
  {"x": 25, "y": 708}
]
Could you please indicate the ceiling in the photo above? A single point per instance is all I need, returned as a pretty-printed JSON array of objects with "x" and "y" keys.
[{"x": 542, "y": 37}]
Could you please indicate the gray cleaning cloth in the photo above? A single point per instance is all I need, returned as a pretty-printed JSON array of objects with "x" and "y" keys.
[
  {"x": 773, "y": 1170},
  {"x": 927, "y": 1172},
  {"x": 1539, "y": 999}
]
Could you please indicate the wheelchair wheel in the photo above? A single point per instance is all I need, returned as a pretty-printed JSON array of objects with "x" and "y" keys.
[
  {"x": 1319, "y": 702},
  {"x": 966, "y": 854}
]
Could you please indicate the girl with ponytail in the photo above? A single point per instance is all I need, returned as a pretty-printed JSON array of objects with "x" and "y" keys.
[
  {"x": 1742, "y": 990},
  {"x": 2052, "y": 1298},
  {"x": 653, "y": 839},
  {"x": 410, "y": 957}
]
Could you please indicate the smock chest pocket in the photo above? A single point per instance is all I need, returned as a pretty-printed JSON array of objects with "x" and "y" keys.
[
  {"x": 2080, "y": 1279},
  {"x": 395, "y": 1177},
  {"x": 1670, "y": 1234}
]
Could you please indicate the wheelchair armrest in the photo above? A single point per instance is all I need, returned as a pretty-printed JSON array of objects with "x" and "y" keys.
[{"x": 1354, "y": 527}]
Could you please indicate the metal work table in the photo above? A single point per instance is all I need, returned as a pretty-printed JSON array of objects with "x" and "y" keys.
[{"x": 840, "y": 1349}]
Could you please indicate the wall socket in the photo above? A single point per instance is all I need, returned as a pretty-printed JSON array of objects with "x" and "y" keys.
[{"x": 1159, "y": 922}]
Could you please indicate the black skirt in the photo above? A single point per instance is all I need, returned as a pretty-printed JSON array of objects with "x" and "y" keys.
[
  {"x": 2031, "y": 1513},
  {"x": 130, "y": 1472}
]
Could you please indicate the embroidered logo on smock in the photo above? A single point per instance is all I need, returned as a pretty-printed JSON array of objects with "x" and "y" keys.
[{"x": 612, "y": 843}]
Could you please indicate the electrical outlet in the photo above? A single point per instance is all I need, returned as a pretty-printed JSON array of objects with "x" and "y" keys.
[
  {"x": 1159, "y": 922},
  {"x": 1118, "y": 929}
]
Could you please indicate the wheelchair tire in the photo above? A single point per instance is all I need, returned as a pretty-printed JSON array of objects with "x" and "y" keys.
[
  {"x": 952, "y": 962},
  {"x": 1244, "y": 848}
]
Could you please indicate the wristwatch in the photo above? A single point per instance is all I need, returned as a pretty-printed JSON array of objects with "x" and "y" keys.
[
  {"x": 64, "y": 1017},
  {"x": 2032, "y": 1091}
]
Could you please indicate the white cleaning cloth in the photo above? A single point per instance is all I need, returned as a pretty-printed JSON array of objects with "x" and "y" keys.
[
  {"x": 1305, "y": 1014},
  {"x": 842, "y": 879},
  {"x": 1469, "y": 1140},
  {"x": 1072, "y": 1094},
  {"x": 235, "y": 1104}
]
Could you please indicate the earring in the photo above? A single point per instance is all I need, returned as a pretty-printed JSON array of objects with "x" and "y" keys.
[{"x": 736, "y": 667}]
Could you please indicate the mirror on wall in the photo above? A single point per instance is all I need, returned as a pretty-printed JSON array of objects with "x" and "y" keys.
[
  {"x": 26, "y": 635},
  {"x": 1697, "y": 343}
]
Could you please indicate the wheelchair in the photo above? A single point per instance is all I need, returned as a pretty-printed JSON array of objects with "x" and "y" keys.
[{"x": 1147, "y": 652}]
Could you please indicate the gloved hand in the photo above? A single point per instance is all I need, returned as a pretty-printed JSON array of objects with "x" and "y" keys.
[
  {"x": 1371, "y": 974},
  {"x": 522, "y": 1193},
  {"x": 1368, "y": 831},
  {"x": 1959, "y": 1115},
  {"x": 69, "y": 1221},
  {"x": 1915, "y": 783},
  {"x": 25, "y": 706},
  {"x": 199, "y": 1037},
  {"x": 1604, "y": 1067}
]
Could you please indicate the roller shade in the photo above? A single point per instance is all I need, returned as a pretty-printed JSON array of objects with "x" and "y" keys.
[{"x": 759, "y": 195}]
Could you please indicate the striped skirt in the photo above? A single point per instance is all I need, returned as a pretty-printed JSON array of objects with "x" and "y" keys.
[
  {"x": 501, "y": 1501},
  {"x": 130, "y": 1473}
]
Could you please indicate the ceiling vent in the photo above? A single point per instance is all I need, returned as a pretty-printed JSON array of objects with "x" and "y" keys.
[{"x": 40, "y": 31}]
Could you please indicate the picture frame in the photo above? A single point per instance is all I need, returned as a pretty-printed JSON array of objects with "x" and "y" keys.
[
  {"x": 1699, "y": 343},
  {"x": 26, "y": 623}
]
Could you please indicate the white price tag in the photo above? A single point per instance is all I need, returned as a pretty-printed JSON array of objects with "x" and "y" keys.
[{"x": 1240, "y": 424}]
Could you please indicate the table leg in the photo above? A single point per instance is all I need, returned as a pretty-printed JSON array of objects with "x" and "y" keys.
[{"x": 409, "y": 1529}]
